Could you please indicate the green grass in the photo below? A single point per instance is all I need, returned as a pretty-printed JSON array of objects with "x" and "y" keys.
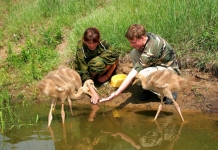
[{"x": 31, "y": 30}]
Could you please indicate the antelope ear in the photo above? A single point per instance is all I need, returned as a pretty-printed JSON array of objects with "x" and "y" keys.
[{"x": 60, "y": 89}]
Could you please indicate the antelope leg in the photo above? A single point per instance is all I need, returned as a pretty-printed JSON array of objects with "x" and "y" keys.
[
  {"x": 62, "y": 113},
  {"x": 50, "y": 112},
  {"x": 160, "y": 106},
  {"x": 158, "y": 111},
  {"x": 70, "y": 105},
  {"x": 178, "y": 108}
]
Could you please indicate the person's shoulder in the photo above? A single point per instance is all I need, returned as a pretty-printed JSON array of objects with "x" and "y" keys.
[
  {"x": 152, "y": 35},
  {"x": 79, "y": 47},
  {"x": 79, "y": 44},
  {"x": 79, "y": 54},
  {"x": 104, "y": 43}
]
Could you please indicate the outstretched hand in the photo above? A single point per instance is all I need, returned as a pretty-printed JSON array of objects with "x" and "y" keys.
[{"x": 113, "y": 95}]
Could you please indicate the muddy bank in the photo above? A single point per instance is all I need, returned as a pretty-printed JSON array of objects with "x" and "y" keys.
[{"x": 200, "y": 95}]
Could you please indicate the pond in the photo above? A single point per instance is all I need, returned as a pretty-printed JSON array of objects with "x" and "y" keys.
[{"x": 105, "y": 128}]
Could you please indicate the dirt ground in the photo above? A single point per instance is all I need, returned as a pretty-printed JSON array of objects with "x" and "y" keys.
[{"x": 200, "y": 94}]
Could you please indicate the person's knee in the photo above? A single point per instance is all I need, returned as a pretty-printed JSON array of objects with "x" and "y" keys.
[
  {"x": 97, "y": 67},
  {"x": 116, "y": 63}
]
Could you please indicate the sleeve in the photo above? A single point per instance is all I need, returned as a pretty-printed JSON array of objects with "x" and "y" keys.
[
  {"x": 149, "y": 56},
  {"x": 105, "y": 44},
  {"x": 138, "y": 66},
  {"x": 81, "y": 65}
]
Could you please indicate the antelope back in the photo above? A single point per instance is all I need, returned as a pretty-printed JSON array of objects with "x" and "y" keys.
[{"x": 70, "y": 76}]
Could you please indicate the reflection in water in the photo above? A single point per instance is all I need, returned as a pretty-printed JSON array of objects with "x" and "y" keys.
[
  {"x": 162, "y": 133},
  {"x": 101, "y": 128},
  {"x": 69, "y": 141},
  {"x": 124, "y": 137},
  {"x": 163, "y": 136},
  {"x": 95, "y": 108}
]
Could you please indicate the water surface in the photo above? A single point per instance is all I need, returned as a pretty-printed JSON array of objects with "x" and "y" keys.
[{"x": 102, "y": 128}]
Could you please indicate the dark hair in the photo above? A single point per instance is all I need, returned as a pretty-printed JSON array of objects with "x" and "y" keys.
[
  {"x": 135, "y": 31},
  {"x": 91, "y": 34}
]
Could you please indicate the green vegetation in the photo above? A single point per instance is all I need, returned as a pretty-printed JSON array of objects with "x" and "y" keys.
[{"x": 30, "y": 32}]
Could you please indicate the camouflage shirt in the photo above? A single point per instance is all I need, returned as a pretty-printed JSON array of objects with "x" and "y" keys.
[
  {"x": 84, "y": 55},
  {"x": 157, "y": 52}
]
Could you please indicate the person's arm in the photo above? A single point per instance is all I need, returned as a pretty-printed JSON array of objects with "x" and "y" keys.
[
  {"x": 95, "y": 96},
  {"x": 82, "y": 69},
  {"x": 125, "y": 137},
  {"x": 129, "y": 139},
  {"x": 81, "y": 66},
  {"x": 125, "y": 83},
  {"x": 95, "y": 108}
]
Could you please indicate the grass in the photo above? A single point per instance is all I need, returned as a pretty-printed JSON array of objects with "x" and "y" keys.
[{"x": 30, "y": 32}]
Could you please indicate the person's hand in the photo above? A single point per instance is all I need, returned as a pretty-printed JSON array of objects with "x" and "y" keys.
[
  {"x": 94, "y": 94},
  {"x": 94, "y": 98},
  {"x": 112, "y": 96}
]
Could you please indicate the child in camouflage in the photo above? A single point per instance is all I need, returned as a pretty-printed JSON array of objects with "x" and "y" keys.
[{"x": 95, "y": 59}]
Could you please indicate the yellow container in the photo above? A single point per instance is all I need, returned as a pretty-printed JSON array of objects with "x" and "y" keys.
[{"x": 117, "y": 80}]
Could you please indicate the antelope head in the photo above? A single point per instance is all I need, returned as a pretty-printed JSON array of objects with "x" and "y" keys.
[
  {"x": 86, "y": 85},
  {"x": 137, "y": 78}
]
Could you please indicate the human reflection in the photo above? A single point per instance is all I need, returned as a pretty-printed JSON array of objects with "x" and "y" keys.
[
  {"x": 154, "y": 135},
  {"x": 117, "y": 132},
  {"x": 87, "y": 142},
  {"x": 164, "y": 136},
  {"x": 115, "y": 135},
  {"x": 125, "y": 137},
  {"x": 95, "y": 108}
]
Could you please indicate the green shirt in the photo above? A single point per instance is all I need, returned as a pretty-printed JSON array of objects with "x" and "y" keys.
[
  {"x": 157, "y": 52},
  {"x": 84, "y": 56}
]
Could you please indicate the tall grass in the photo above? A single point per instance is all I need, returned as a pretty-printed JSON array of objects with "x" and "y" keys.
[
  {"x": 5, "y": 107},
  {"x": 31, "y": 30}
]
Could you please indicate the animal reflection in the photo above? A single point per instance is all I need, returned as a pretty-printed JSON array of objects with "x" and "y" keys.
[
  {"x": 70, "y": 140},
  {"x": 113, "y": 134},
  {"x": 164, "y": 136},
  {"x": 63, "y": 83},
  {"x": 162, "y": 83}
]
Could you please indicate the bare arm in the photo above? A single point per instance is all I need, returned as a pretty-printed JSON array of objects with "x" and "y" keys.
[
  {"x": 125, "y": 137},
  {"x": 95, "y": 96},
  {"x": 124, "y": 85}
]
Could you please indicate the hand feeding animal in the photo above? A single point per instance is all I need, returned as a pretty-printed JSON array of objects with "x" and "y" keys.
[{"x": 63, "y": 83}]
